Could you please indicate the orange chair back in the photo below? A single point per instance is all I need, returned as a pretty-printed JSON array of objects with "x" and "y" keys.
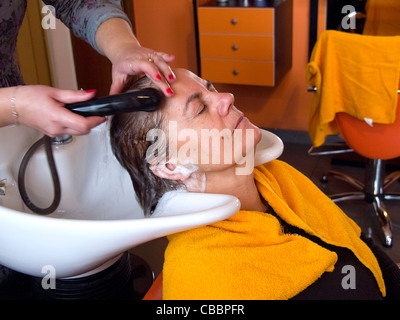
[{"x": 381, "y": 141}]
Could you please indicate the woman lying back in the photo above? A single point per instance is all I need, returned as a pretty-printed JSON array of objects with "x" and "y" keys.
[{"x": 288, "y": 240}]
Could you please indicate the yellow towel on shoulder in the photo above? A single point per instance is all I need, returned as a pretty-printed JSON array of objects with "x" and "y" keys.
[
  {"x": 248, "y": 257},
  {"x": 353, "y": 73},
  {"x": 382, "y": 18}
]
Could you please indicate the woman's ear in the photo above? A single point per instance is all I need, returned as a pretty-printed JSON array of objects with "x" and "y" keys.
[{"x": 171, "y": 171}]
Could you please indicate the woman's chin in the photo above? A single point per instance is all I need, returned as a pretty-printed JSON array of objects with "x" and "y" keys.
[{"x": 257, "y": 135}]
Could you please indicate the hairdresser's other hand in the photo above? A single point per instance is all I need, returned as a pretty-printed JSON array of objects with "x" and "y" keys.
[
  {"x": 134, "y": 60},
  {"x": 42, "y": 108}
]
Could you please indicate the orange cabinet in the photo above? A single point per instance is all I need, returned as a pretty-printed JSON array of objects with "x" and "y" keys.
[
  {"x": 245, "y": 45},
  {"x": 234, "y": 46},
  {"x": 236, "y": 20}
]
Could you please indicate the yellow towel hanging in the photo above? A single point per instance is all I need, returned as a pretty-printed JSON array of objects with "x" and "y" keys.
[{"x": 353, "y": 73}]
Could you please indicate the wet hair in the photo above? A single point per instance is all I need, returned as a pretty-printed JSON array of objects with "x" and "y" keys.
[{"x": 129, "y": 142}]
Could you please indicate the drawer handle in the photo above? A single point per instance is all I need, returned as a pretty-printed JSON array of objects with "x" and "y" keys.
[
  {"x": 235, "y": 47},
  {"x": 233, "y": 21},
  {"x": 235, "y": 72}
]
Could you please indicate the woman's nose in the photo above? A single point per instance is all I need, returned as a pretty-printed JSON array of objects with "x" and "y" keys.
[{"x": 225, "y": 102}]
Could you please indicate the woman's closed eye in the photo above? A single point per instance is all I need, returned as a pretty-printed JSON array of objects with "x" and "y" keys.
[{"x": 203, "y": 108}]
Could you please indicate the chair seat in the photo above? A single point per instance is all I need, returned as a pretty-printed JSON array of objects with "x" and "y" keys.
[
  {"x": 381, "y": 141},
  {"x": 156, "y": 289}
]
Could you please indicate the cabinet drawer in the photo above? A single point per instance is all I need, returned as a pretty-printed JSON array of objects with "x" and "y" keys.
[
  {"x": 236, "y": 20},
  {"x": 238, "y": 71},
  {"x": 237, "y": 46}
]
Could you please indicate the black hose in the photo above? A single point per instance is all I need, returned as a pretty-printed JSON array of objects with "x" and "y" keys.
[{"x": 56, "y": 182}]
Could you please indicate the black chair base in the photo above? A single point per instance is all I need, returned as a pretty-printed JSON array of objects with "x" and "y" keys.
[{"x": 372, "y": 191}]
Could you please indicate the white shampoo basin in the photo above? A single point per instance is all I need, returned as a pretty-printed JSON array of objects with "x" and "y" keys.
[{"x": 98, "y": 217}]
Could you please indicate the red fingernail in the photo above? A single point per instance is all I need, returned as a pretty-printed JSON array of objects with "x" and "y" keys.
[
  {"x": 158, "y": 77},
  {"x": 171, "y": 77},
  {"x": 90, "y": 90},
  {"x": 169, "y": 91}
]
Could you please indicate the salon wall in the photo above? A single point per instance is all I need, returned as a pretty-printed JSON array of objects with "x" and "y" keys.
[
  {"x": 169, "y": 26},
  {"x": 31, "y": 48}
]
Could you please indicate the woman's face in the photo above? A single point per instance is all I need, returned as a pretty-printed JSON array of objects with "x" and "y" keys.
[{"x": 204, "y": 127}]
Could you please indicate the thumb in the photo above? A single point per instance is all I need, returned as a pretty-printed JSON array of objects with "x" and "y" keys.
[
  {"x": 117, "y": 86},
  {"x": 70, "y": 96}
]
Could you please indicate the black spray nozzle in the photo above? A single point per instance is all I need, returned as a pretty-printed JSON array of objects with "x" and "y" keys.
[{"x": 148, "y": 99}]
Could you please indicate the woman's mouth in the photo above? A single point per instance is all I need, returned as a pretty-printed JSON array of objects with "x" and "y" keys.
[{"x": 239, "y": 121}]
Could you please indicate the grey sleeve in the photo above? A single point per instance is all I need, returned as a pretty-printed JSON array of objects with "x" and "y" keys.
[{"x": 84, "y": 17}]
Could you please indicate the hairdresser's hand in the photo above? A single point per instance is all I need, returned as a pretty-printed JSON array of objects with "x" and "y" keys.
[
  {"x": 42, "y": 108},
  {"x": 134, "y": 60},
  {"x": 116, "y": 40}
]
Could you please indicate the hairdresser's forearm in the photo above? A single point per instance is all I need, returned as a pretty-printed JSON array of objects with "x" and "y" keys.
[
  {"x": 113, "y": 36},
  {"x": 116, "y": 40}
]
